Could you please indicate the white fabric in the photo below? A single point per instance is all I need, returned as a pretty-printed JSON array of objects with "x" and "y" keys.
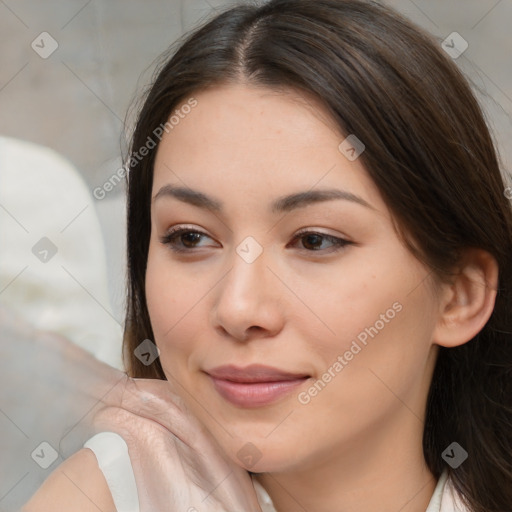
[
  {"x": 112, "y": 454},
  {"x": 43, "y": 196}
]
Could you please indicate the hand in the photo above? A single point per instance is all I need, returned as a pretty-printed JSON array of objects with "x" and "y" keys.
[{"x": 177, "y": 464}]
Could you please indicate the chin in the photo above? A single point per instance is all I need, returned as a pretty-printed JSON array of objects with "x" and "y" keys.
[{"x": 261, "y": 456}]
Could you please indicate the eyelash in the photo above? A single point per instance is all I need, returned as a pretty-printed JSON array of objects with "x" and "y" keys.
[{"x": 168, "y": 239}]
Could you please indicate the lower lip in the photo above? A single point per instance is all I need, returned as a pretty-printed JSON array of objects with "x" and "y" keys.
[{"x": 256, "y": 394}]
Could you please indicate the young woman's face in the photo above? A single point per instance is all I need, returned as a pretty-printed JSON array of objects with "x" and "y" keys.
[{"x": 343, "y": 316}]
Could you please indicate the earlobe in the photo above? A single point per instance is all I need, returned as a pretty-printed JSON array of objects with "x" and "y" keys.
[{"x": 467, "y": 303}]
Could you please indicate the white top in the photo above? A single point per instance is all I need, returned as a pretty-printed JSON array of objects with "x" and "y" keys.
[{"x": 111, "y": 452}]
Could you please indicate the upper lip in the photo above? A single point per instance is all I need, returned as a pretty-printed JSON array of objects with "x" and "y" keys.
[{"x": 253, "y": 373}]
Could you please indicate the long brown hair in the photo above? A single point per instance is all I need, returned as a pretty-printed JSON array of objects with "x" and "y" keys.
[{"x": 430, "y": 154}]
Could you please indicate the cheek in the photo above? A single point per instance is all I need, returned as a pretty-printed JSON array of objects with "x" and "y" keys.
[
  {"x": 359, "y": 384},
  {"x": 344, "y": 305},
  {"x": 379, "y": 316},
  {"x": 383, "y": 336}
]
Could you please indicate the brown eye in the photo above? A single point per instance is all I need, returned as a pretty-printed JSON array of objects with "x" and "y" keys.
[
  {"x": 313, "y": 241},
  {"x": 182, "y": 239}
]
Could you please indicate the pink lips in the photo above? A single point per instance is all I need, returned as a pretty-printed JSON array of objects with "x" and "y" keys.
[{"x": 255, "y": 385}]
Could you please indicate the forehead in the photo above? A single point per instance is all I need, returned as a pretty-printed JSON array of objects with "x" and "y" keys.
[{"x": 262, "y": 139}]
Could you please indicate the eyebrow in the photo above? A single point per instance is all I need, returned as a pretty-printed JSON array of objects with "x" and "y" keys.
[{"x": 280, "y": 205}]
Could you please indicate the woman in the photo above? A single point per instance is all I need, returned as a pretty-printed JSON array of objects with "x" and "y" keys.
[{"x": 319, "y": 246}]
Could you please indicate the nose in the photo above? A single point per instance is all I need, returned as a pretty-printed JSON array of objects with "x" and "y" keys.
[{"x": 248, "y": 301}]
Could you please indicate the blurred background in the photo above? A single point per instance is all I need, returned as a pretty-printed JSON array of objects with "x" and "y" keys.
[{"x": 69, "y": 73}]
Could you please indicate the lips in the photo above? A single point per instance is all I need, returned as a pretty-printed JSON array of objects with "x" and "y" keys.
[
  {"x": 253, "y": 373},
  {"x": 254, "y": 385}
]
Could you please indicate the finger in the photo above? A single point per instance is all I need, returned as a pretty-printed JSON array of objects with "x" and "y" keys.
[
  {"x": 166, "y": 413},
  {"x": 113, "y": 419},
  {"x": 127, "y": 392},
  {"x": 154, "y": 388},
  {"x": 154, "y": 400},
  {"x": 127, "y": 424}
]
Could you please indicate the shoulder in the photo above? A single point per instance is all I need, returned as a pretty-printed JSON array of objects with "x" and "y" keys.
[{"x": 77, "y": 480}]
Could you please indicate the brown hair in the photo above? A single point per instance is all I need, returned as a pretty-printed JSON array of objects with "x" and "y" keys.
[{"x": 430, "y": 154}]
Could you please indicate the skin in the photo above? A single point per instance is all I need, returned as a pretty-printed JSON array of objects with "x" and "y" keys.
[
  {"x": 357, "y": 444},
  {"x": 77, "y": 480}
]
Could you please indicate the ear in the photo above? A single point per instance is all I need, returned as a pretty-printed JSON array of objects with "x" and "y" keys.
[{"x": 468, "y": 301}]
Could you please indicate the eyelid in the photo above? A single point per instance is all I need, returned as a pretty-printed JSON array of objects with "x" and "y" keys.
[
  {"x": 183, "y": 227},
  {"x": 318, "y": 231}
]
